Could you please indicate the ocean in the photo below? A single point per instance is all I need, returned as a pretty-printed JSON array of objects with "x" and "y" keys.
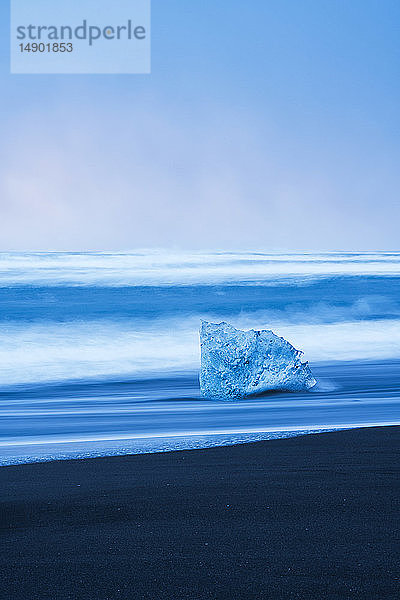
[{"x": 99, "y": 351}]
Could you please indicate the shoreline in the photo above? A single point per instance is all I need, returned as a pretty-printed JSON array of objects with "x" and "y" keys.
[
  {"x": 310, "y": 516},
  {"x": 135, "y": 417},
  {"x": 190, "y": 441}
]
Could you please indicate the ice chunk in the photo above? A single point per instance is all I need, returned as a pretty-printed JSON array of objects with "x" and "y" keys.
[{"x": 237, "y": 363}]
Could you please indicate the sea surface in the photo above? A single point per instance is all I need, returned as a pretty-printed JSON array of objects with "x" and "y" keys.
[{"x": 99, "y": 351}]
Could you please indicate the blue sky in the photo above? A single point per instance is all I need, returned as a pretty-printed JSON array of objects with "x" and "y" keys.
[{"x": 264, "y": 125}]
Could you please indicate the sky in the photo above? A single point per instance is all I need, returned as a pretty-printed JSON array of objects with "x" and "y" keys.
[{"x": 265, "y": 125}]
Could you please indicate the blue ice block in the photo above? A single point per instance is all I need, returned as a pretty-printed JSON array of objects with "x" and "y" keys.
[{"x": 236, "y": 363}]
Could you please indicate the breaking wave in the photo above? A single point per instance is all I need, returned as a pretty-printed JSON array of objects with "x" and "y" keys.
[
  {"x": 147, "y": 268},
  {"x": 44, "y": 352},
  {"x": 115, "y": 315}
]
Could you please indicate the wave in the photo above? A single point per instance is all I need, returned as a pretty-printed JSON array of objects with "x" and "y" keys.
[
  {"x": 165, "y": 268},
  {"x": 55, "y": 352},
  {"x": 137, "y": 314}
]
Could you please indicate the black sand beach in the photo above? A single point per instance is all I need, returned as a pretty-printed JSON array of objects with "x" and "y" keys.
[{"x": 310, "y": 517}]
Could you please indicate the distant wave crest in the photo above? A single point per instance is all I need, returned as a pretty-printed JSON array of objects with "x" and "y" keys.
[{"x": 147, "y": 268}]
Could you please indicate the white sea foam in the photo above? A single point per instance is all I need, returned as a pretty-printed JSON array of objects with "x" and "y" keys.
[
  {"x": 131, "y": 347},
  {"x": 40, "y": 352},
  {"x": 150, "y": 268}
]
